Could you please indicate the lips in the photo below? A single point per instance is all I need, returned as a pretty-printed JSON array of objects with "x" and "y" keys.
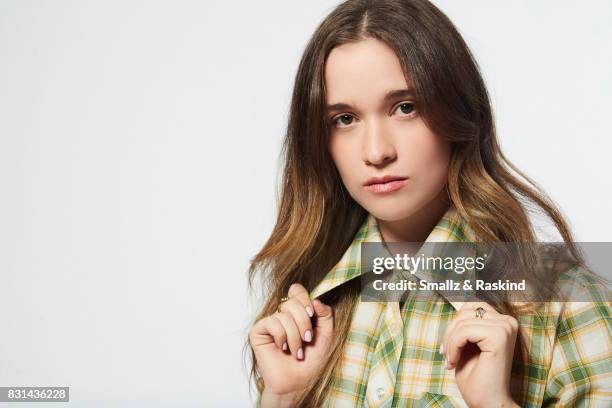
[
  {"x": 386, "y": 184},
  {"x": 382, "y": 180}
]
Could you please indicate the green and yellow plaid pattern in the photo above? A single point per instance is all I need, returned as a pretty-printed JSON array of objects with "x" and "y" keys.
[{"x": 391, "y": 357}]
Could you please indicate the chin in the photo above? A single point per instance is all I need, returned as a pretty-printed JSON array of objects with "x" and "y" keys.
[{"x": 389, "y": 211}]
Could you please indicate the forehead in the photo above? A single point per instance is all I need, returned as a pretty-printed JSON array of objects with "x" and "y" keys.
[{"x": 365, "y": 69}]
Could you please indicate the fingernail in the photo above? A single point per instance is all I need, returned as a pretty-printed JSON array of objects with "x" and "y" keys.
[
  {"x": 441, "y": 348},
  {"x": 307, "y": 336},
  {"x": 309, "y": 311},
  {"x": 447, "y": 363},
  {"x": 285, "y": 346},
  {"x": 300, "y": 354}
]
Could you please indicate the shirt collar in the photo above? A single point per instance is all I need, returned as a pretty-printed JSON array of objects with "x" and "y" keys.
[{"x": 449, "y": 228}]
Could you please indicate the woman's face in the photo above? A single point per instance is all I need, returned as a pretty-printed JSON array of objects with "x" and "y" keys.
[{"x": 376, "y": 132}]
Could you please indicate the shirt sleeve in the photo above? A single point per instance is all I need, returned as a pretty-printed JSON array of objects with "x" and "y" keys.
[{"x": 581, "y": 367}]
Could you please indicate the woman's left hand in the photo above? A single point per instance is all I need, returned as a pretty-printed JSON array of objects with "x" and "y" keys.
[{"x": 481, "y": 352}]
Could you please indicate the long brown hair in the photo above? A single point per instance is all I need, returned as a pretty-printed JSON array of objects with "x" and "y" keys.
[{"x": 317, "y": 218}]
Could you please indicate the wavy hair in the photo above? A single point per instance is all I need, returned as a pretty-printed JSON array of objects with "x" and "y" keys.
[{"x": 317, "y": 218}]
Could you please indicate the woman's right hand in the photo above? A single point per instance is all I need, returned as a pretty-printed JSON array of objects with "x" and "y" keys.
[{"x": 288, "y": 347}]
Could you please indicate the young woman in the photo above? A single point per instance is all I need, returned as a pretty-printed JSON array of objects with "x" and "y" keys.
[{"x": 391, "y": 138}]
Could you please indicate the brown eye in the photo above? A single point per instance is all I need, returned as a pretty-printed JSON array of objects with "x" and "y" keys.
[
  {"x": 346, "y": 119},
  {"x": 407, "y": 107}
]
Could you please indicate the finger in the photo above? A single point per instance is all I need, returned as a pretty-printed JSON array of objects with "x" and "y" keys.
[
  {"x": 294, "y": 340},
  {"x": 295, "y": 309},
  {"x": 489, "y": 336},
  {"x": 322, "y": 311},
  {"x": 510, "y": 324},
  {"x": 474, "y": 305},
  {"x": 276, "y": 329},
  {"x": 467, "y": 311},
  {"x": 462, "y": 316},
  {"x": 325, "y": 316},
  {"x": 259, "y": 334},
  {"x": 267, "y": 330},
  {"x": 299, "y": 292}
]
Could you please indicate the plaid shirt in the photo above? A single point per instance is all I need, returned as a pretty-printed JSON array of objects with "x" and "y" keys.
[{"x": 391, "y": 357}]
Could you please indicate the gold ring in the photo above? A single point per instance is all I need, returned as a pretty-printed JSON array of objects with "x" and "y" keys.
[
  {"x": 283, "y": 300},
  {"x": 480, "y": 311}
]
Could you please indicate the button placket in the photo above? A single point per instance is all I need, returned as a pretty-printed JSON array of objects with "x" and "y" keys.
[{"x": 382, "y": 378}]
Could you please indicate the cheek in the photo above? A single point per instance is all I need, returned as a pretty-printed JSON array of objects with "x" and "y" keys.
[
  {"x": 429, "y": 155},
  {"x": 345, "y": 157}
]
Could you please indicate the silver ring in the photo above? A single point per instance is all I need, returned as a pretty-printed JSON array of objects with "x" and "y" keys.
[{"x": 480, "y": 311}]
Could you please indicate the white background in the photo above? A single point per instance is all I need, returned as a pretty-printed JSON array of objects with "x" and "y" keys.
[{"x": 139, "y": 148}]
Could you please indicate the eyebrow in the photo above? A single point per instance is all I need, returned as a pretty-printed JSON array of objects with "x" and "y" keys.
[{"x": 397, "y": 93}]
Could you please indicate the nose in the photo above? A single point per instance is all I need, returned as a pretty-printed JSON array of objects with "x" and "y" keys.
[{"x": 378, "y": 148}]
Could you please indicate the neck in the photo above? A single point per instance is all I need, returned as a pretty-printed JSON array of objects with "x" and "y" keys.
[{"x": 418, "y": 226}]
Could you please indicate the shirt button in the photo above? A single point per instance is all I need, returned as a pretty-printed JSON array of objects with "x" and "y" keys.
[{"x": 380, "y": 392}]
